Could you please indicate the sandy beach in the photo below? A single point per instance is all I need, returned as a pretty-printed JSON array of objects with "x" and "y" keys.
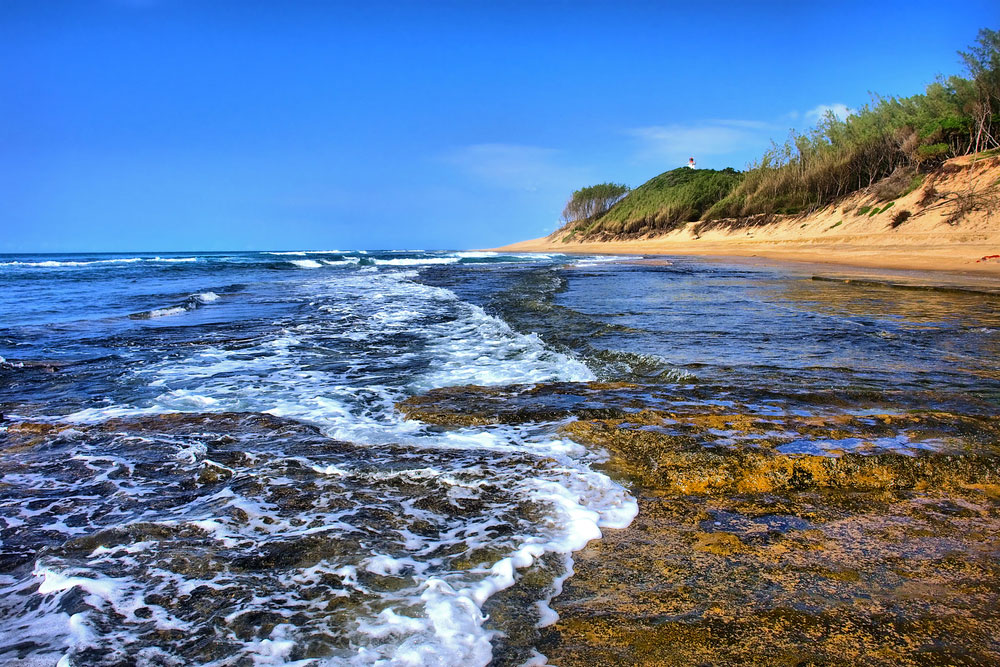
[{"x": 846, "y": 234}]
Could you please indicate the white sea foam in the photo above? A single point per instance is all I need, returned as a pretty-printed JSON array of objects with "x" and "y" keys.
[
  {"x": 306, "y": 263},
  {"x": 166, "y": 312},
  {"x": 416, "y": 337},
  {"x": 125, "y": 260},
  {"x": 416, "y": 261},
  {"x": 603, "y": 259},
  {"x": 310, "y": 252},
  {"x": 533, "y": 255}
]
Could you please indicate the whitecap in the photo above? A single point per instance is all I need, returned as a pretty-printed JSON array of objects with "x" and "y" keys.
[
  {"x": 413, "y": 261},
  {"x": 124, "y": 260},
  {"x": 309, "y": 252},
  {"x": 207, "y": 297},
  {"x": 166, "y": 312},
  {"x": 602, "y": 259}
]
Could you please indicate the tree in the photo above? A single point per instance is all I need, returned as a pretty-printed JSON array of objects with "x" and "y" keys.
[
  {"x": 590, "y": 202},
  {"x": 983, "y": 62}
]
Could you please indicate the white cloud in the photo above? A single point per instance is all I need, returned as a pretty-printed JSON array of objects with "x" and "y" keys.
[
  {"x": 676, "y": 142},
  {"x": 514, "y": 166},
  {"x": 745, "y": 124},
  {"x": 839, "y": 109}
]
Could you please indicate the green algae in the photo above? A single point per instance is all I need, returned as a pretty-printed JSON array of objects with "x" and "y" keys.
[
  {"x": 472, "y": 405},
  {"x": 680, "y": 464},
  {"x": 876, "y": 544},
  {"x": 873, "y": 580}
]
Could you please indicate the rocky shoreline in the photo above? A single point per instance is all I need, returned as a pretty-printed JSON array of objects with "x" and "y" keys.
[{"x": 848, "y": 533}]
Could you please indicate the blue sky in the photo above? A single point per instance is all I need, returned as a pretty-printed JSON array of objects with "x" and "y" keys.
[{"x": 180, "y": 125}]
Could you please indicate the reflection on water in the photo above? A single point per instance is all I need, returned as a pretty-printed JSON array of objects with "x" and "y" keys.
[{"x": 755, "y": 326}]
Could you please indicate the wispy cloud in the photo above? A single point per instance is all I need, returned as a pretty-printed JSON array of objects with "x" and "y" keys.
[
  {"x": 839, "y": 109},
  {"x": 745, "y": 124},
  {"x": 676, "y": 142},
  {"x": 514, "y": 166}
]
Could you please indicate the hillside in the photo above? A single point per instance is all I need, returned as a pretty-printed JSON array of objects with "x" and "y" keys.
[
  {"x": 873, "y": 156},
  {"x": 660, "y": 204},
  {"x": 949, "y": 220}
]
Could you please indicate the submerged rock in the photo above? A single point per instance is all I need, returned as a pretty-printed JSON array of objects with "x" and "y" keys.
[
  {"x": 773, "y": 530},
  {"x": 473, "y": 405},
  {"x": 209, "y": 533},
  {"x": 800, "y": 578},
  {"x": 683, "y": 464},
  {"x": 19, "y": 436}
]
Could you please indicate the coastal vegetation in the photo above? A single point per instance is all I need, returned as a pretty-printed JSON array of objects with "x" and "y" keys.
[
  {"x": 593, "y": 201},
  {"x": 661, "y": 203},
  {"x": 886, "y": 147}
]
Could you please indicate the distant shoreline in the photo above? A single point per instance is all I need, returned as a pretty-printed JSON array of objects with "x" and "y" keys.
[
  {"x": 944, "y": 258},
  {"x": 839, "y": 234}
]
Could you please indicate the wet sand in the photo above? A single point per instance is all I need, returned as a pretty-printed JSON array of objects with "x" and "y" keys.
[{"x": 954, "y": 258}]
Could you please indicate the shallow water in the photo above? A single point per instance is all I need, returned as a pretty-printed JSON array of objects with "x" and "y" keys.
[{"x": 296, "y": 515}]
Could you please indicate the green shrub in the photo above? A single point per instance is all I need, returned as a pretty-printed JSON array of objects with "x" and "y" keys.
[
  {"x": 864, "y": 209},
  {"x": 667, "y": 201},
  {"x": 915, "y": 182},
  {"x": 985, "y": 155},
  {"x": 933, "y": 151}
]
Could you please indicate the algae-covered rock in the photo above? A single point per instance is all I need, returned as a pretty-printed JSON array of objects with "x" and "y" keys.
[
  {"x": 833, "y": 528},
  {"x": 21, "y": 436},
  {"x": 675, "y": 464},
  {"x": 829, "y": 577},
  {"x": 473, "y": 405},
  {"x": 721, "y": 544}
]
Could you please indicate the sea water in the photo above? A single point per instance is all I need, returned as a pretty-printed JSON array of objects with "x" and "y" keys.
[{"x": 222, "y": 477}]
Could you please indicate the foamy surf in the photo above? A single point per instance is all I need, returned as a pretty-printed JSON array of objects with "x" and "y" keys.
[
  {"x": 191, "y": 303},
  {"x": 306, "y": 263},
  {"x": 444, "y": 511},
  {"x": 49, "y": 264},
  {"x": 309, "y": 252},
  {"x": 416, "y": 261}
]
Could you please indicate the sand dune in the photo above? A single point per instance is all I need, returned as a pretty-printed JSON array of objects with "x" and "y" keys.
[{"x": 934, "y": 237}]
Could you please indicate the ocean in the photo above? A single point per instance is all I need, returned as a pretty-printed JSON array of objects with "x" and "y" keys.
[{"x": 211, "y": 465}]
